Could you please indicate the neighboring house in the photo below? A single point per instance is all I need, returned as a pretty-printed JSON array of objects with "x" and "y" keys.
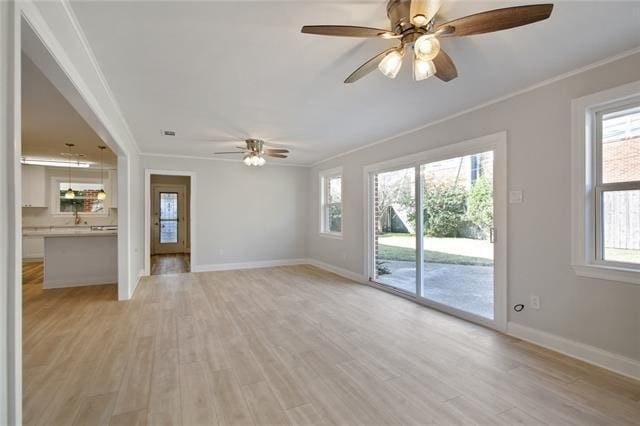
[{"x": 620, "y": 156}]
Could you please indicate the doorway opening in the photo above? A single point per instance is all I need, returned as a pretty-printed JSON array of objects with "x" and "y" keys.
[
  {"x": 434, "y": 219},
  {"x": 169, "y": 223}
]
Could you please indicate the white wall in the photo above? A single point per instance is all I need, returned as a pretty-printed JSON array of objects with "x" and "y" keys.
[
  {"x": 243, "y": 214},
  {"x": 599, "y": 313}
]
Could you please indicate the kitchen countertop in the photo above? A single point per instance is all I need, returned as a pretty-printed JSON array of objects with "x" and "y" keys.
[
  {"x": 68, "y": 231},
  {"x": 62, "y": 233}
]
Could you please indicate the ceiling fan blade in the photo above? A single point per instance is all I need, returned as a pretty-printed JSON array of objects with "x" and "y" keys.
[
  {"x": 422, "y": 11},
  {"x": 347, "y": 31},
  {"x": 498, "y": 19},
  {"x": 445, "y": 68},
  {"x": 276, "y": 151},
  {"x": 367, "y": 67},
  {"x": 276, "y": 155},
  {"x": 229, "y": 152}
]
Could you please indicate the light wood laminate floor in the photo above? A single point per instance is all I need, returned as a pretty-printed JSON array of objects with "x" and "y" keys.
[
  {"x": 291, "y": 345},
  {"x": 163, "y": 264}
]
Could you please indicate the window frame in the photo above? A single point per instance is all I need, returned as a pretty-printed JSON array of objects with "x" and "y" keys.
[
  {"x": 55, "y": 197},
  {"x": 588, "y": 189},
  {"x": 325, "y": 177}
]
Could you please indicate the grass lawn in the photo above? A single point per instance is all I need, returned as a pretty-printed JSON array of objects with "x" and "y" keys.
[
  {"x": 386, "y": 252},
  {"x": 622, "y": 255},
  {"x": 457, "y": 251}
]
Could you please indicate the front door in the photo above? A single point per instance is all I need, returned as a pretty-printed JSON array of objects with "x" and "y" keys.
[{"x": 168, "y": 221}]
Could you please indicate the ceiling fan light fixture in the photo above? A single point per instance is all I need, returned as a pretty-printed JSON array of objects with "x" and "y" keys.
[
  {"x": 427, "y": 47},
  {"x": 247, "y": 160},
  {"x": 423, "y": 69},
  {"x": 420, "y": 20},
  {"x": 391, "y": 64},
  {"x": 261, "y": 161}
]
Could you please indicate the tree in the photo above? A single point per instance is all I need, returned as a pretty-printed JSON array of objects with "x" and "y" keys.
[
  {"x": 444, "y": 209},
  {"x": 480, "y": 204}
]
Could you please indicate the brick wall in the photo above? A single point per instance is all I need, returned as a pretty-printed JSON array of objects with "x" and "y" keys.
[{"x": 621, "y": 160}]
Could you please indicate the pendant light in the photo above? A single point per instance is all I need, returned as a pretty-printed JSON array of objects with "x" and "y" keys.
[
  {"x": 69, "y": 195},
  {"x": 102, "y": 195}
]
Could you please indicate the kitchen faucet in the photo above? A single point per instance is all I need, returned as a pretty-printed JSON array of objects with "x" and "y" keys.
[{"x": 77, "y": 218}]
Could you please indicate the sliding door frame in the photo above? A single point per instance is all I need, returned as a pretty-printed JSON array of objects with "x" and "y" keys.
[{"x": 497, "y": 143}]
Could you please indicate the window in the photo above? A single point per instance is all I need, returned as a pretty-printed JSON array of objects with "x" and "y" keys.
[
  {"x": 331, "y": 203},
  {"x": 606, "y": 184},
  {"x": 618, "y": 185},
  {"x": 85, "y": 201}
]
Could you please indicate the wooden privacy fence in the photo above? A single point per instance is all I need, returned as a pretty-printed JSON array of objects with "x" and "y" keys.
[{"x": 622, "y": 220}]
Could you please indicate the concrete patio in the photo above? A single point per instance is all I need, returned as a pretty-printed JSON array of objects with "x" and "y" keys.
[{"x": 465, "y": 287}]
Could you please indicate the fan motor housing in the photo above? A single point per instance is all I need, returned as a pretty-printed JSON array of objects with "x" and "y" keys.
[{"x": 398, "y": 12}]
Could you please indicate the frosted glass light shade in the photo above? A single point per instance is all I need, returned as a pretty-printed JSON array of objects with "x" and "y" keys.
[
  {"x": 390, "y": 65},
  {"x": 423, "y": 69},
  {"x": 69, "y": 195},
  {"x": 427, "y": 47},
  {"x": 247, "y": 160},
  {"x": 102, "y": 195},
  {"x": 261, "y": 161}
]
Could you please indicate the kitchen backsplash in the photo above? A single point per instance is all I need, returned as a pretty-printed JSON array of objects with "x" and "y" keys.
[{"x": 40, "y": 217}]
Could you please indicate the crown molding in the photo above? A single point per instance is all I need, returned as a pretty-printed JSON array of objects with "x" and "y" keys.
[{"x": 535, "y": 86}]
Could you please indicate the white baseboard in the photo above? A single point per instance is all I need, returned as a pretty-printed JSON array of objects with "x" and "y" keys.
[
  {"x": 587, "y": 353},
  {"x": 247, "y": 265},
  {"x": 338, "y": 271},
  {"x": 64, "y": 283}
]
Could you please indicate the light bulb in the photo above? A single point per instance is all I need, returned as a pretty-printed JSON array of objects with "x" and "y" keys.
[
  {"x": 390, "y": 65},
  {"x": 423, "y": 69},
  {"x": 427, "y": 47},
  {"x": 102, "y": 195},
  {"x": 261, "y": 161},
  {"x": 420, "y": 20},
  {"x": 255, "y": 160},
  {"x": 69, "y": 195},
  {"x": 247, "y": 160}
]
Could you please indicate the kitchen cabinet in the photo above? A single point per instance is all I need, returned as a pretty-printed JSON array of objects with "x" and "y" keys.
[
  {"x": 33, "y": 186},
  {"x": 32, "y": 248},
  {"x": 112, "y": 197}
]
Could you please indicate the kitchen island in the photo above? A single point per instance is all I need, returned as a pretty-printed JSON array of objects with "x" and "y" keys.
[{"x": 79, "y": 257}]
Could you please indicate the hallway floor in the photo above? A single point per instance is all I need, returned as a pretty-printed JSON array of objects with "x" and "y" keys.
[{"x": 163, "y": 264}]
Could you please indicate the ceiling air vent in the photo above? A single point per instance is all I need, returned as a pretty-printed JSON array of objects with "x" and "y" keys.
[{"x": 168, "y": 133}]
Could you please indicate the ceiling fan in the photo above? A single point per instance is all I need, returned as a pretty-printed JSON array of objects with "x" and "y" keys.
[
  {"x": 255, "y": 151},
  {"x": 413, "y": 22}
]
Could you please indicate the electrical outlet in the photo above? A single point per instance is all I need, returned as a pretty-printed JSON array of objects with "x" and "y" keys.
[{"x": 535, "y": 302}]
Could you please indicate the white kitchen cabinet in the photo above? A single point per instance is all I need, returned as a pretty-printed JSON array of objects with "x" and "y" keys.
[
  {"x": 112, "y": 197},
  {"x": 32, "y": 248},
  {"x": 33, "y": 186}
]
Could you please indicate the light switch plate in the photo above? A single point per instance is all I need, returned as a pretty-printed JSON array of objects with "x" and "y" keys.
[{"x": 515, "y": 197}]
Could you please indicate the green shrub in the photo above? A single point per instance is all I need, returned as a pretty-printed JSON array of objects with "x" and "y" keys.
[
  {"x": 480, "y": 204},
  {"x": 444, "y": 209}
]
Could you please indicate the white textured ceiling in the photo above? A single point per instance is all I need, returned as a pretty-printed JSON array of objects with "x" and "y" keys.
[
  {"x": 49, "y": 121},
  {"x": 224, "y": 70}
]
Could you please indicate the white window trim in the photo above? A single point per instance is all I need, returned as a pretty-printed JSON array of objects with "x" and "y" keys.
[
  {"x": 583, "y": 180},
  {"x": 323, "y": 175},
  {"x": 55, "y": 200}
]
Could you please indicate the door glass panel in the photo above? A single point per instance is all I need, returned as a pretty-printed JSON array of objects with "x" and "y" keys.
[
  {"x": 395, "y": 226},
  {"x": 168, "y": 218},
  {"x": 458, "y": 227}
]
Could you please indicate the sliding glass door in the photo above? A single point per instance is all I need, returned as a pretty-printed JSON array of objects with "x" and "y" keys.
[
  {"x": 458, "y": 230},
  {"x": 395, "y": 229},
  {"x": 432, "y": 233}
]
